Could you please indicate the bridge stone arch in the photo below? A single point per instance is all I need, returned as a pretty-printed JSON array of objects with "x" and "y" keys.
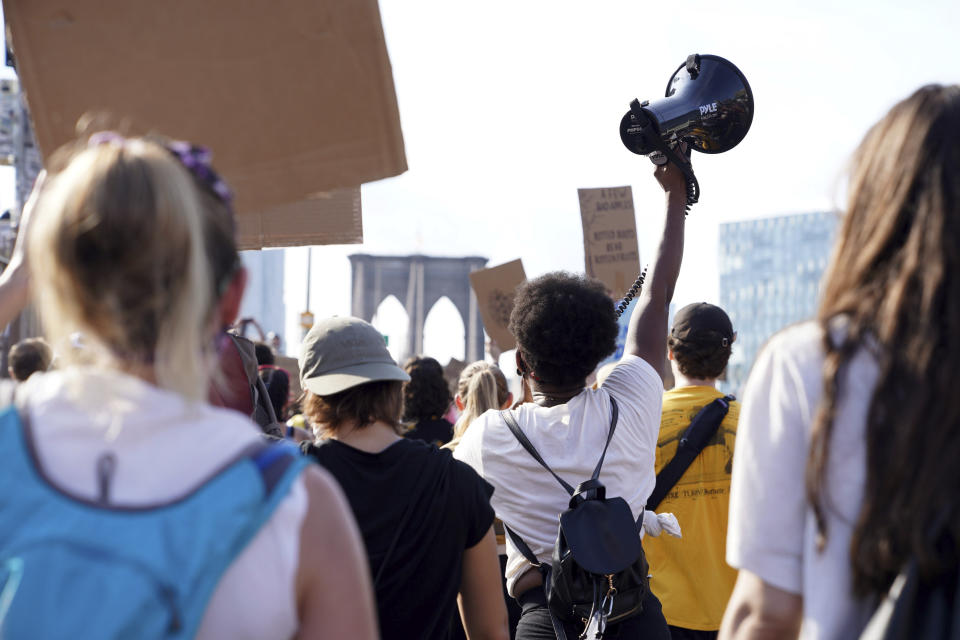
[{"x": 419, "y": 282}]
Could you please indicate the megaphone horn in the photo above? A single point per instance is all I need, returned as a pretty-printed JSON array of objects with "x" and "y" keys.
[{"x": 708, "y": 105}]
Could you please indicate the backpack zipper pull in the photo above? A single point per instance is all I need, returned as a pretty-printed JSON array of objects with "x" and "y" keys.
[
  {"x": 606, "y": 606},
  {"x": 612, "y": 591},
  {"x": 106, "y": 465}
]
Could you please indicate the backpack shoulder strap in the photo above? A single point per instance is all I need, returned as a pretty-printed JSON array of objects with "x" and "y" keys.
[
  {"x": 614, "y": 413},
  {"x": 273, "y": 458},
  {"x": 526, "y": 444},
  {"x": 701, "y": 430},
  {"x": 521, "y": 546}
]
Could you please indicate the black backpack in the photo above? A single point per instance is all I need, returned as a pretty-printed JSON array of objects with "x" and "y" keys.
[
  {"x": 919, "y": 607},
  {"x": 598, "y": 571}
]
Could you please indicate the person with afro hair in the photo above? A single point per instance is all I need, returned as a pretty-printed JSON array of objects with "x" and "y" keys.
[
  {"x": 564, "y": 326},
  {"x": 426, "y": 398}
]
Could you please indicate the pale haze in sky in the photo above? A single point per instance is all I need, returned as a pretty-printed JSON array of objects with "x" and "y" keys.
[{"x": 509, "y": 107}]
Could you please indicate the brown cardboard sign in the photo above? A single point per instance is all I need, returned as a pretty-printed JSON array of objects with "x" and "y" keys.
[
  {"x": 294, "y": 97},
  {"x": 323, "y": 218},
  {"x": 495, "y": 289},
  {"x": 611, "y": 253}
]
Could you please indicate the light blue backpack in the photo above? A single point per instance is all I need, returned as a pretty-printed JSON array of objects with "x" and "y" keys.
[{"x": 72, "y": 568}]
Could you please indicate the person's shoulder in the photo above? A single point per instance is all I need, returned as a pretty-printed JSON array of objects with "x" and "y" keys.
[
  {"x": 799, "y": 338},
  {"x": 631, "y": 376},
  {"x": 798, "y": 346},
  {"x": 327, "y": 507},
  {"x": 320, "y": 484},
  {"x": 467, "y": 488},
  {"x": 733, "y": 414},
  {"x": 425, "y": 457},
  {"x": 416, "y": 454},
  {"x": 310, "y": 449},
  {"x": 476, "y": 431}
]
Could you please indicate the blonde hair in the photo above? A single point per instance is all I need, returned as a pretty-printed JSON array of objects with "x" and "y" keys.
[
  {"x": 482, "y": 386},
  {"x": 119, "y": 252}
]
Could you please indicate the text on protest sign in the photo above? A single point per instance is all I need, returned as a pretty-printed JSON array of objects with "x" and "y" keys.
[{"x": 611, "y": 253}]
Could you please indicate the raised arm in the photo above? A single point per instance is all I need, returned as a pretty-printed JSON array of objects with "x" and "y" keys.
[
  {"x": 15, "y": 279},
  {"x": 14, "y": 292},
  {"x": 647, "y": 332}
]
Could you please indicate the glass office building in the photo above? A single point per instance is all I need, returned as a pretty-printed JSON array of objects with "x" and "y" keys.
[{"x": 770, "y": 271}]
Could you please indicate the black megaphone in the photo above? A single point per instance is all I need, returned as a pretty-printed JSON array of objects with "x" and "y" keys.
[{"x": 708, "y": 105}]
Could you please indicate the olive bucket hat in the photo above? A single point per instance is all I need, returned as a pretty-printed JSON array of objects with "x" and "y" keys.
[{"x": 343, "y": 352}]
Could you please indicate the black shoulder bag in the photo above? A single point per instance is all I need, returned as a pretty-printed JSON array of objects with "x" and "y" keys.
[
  {"x": 920, "y": 607},
  {"x": 701, "y": 430},
  {"x": 598, "y": 571}
]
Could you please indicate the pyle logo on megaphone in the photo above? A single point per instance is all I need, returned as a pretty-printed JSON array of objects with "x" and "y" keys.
[{"x": 708, "y": 108}]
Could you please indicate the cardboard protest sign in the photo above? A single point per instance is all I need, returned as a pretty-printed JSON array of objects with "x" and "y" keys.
[
  {"x": 611, "y": 253},
  {"x": 495, "y": 289},
  {"x": 323, "y": 218},
  {"x": 294, "y": 97}
]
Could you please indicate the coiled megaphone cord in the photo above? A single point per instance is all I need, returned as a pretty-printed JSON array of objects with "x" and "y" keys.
[{"x": 633, "y": 293}]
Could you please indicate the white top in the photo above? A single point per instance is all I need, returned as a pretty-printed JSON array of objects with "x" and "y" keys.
[
  {"x": 164, "y": 447},
  {"x": 772, "y": 531},
  {"x": 570, "y": 438}
]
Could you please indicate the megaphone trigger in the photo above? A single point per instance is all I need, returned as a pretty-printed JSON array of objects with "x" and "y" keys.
[{"x": 658, "y": 158}]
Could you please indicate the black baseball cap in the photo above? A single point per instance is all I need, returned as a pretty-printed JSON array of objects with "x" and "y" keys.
[{"x": 703, "y": 322}]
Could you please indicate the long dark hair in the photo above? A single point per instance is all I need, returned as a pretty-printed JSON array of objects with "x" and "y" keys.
[
  {"x": 894, "y": 280},
  {"x": 426, "y": 395}
]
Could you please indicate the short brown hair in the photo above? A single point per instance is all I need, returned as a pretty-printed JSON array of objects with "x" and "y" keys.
[
  {"x": 705, "y": 360},
  {"x": 364, "y": 404},
  {"x": 29, "y": 356}
]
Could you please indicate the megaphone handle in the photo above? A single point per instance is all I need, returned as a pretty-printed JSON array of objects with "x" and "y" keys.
[
  {"x": 653, "y": 136},
  {"x": 693, "y": 187}
]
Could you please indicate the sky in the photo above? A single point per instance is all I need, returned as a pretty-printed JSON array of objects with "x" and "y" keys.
[{"x": 507, "y": 108}]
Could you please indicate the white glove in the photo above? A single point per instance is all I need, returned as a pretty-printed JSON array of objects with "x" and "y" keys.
[{"x": 656, "y": 523}]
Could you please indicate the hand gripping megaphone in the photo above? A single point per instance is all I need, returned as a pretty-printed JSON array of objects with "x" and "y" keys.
[{"x": 708, "y": 105}]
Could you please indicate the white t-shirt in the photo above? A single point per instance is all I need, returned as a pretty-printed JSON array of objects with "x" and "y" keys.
[
  {"x": 570, "y": 438},
  {"x": 164, "y": 447},
  {"x": 771, "y": 530}
]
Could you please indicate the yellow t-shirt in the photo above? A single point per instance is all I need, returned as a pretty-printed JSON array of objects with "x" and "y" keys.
[{"x": 690, "y": 575}]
